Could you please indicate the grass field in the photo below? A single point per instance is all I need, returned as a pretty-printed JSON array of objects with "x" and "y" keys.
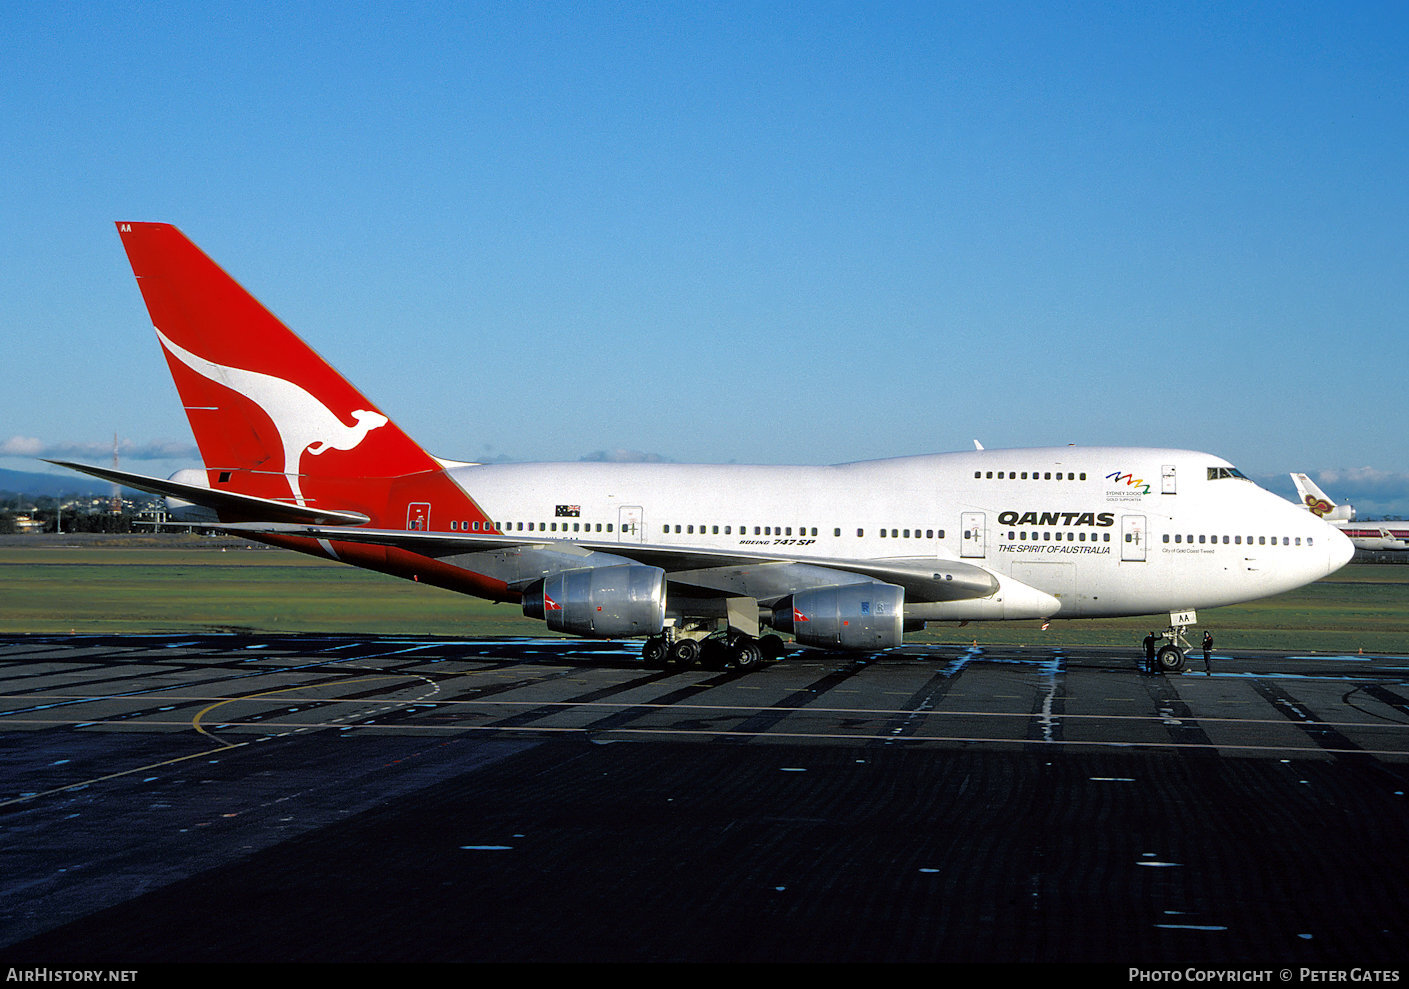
[{"x": 190, "y": 586}]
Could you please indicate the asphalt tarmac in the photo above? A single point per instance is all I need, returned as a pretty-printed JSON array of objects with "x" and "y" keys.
[{"x": 233, "y": 798}]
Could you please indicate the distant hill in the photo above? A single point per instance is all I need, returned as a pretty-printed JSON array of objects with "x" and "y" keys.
[{"x": 35, "y": 484}]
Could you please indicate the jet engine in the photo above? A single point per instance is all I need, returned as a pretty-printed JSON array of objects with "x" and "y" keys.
[
  {"x": 605, "y": 602},
  {"x": 868, "y": 615},
  {"x": 179, "y": 510}
]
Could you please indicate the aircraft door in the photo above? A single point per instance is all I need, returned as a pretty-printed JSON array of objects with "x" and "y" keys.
[
  {"x": 972, "y": 527},
  {"x": 1132, "y": 538},
  {"x": 418, "y": 516},
  {"x": 630, "y": 529}
]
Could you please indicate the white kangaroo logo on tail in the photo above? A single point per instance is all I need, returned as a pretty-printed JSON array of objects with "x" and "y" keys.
[{"x": 303, "y": 422}]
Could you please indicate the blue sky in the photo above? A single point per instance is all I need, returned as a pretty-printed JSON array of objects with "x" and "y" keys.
[{"x": 720, "y": 232}]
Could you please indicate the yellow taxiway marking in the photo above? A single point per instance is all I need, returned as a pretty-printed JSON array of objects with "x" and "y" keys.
[
  {"x": 125, "y": 772},
  {"x": 195, "y": 723}
]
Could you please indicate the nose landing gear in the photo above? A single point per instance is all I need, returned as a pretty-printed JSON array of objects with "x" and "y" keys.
[{"x": 1170, "y": 656}]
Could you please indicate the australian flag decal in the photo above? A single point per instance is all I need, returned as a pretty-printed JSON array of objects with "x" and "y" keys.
[{"x": 569, "y": 511}]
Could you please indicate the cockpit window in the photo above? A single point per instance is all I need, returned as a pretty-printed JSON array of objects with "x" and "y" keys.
[{"x": 1219, "y": 473}]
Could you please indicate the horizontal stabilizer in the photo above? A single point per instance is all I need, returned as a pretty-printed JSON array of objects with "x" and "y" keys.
[{"x": 228, "y": 503}]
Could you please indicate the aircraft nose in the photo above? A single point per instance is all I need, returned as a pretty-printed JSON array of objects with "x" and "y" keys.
[{"x": 1341, "y": 550}]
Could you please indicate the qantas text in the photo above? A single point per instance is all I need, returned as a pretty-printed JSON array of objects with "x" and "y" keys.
[{"x": 1057, "y": 518}]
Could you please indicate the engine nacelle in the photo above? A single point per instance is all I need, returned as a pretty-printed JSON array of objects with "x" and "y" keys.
[
  {"x": 867, "y": 615},
  {"x": 605, "y": 602},
  {"x": 178, "y": 510}
]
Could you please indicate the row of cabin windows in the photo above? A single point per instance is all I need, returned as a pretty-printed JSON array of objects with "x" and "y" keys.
[
  {"x": 1012, "y": 475},
  {"x": 763, "y": 530},
  {"x": 758, "y": 530},
  {"x": 530, "y": 527},
  {"x": 1035, "y": 535},
  {"x": 769, "y": 530},
  {"x": 1238, "y": 540},
  {"x": 787, "y": 530},
  {"x": 1048, "y": 535}
]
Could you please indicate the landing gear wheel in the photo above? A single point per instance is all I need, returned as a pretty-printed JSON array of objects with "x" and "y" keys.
[
  {"x": 655, "y": 652},
  {"x": 745, "y": 652},
  {"x": 1170, "y": 659},
  {"x": 772, "y": 647},
  {"x": 685, "y": 652},
  {"x": 714, "y": 654}
]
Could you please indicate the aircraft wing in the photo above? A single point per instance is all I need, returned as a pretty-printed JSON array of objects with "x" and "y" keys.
[
  {"x": 701, "y": 572},
  {"x": 720, "y": 573}
]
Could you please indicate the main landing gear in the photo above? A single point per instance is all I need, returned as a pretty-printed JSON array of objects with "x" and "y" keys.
[{"x": 717, "y": 651}]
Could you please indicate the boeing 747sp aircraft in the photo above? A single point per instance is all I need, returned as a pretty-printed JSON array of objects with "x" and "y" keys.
[{"x": 699, "y": 560}]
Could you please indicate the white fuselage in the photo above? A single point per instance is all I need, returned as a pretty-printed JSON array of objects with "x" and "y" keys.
[{"x": 1105, "y": 531}]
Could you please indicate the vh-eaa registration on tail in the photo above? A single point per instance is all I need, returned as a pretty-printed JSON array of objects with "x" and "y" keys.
[{"x": 698, "y": 559}]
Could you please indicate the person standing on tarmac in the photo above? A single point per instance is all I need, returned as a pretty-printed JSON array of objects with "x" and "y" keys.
[
  {"x": 1208, "y": 650},
  {"x": 1150, "y": 653}
]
